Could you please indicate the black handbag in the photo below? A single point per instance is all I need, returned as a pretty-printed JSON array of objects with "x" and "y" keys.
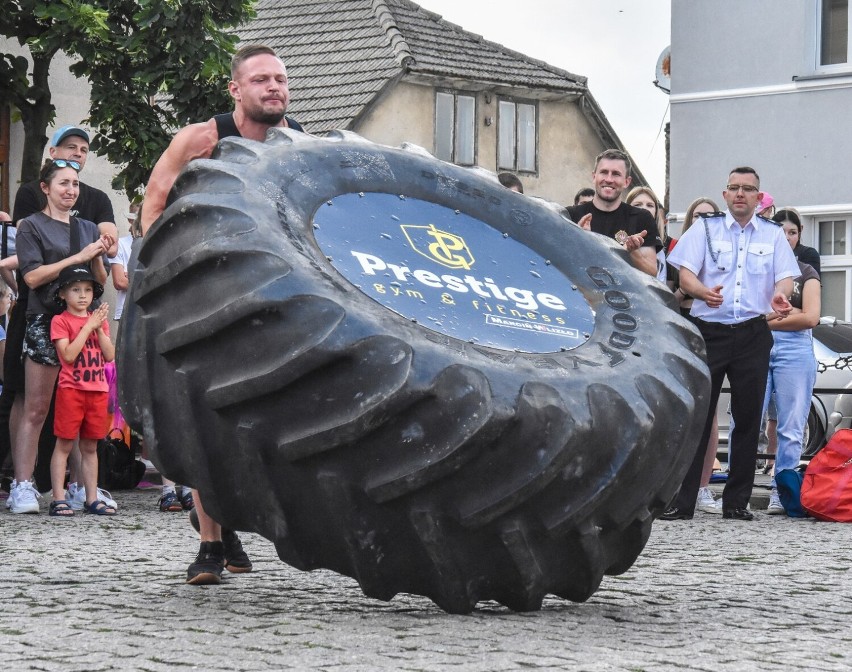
[{"x": 118, "y": 468}]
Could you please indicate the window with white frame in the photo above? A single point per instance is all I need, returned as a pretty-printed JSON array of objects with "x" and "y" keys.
[
  {"x": 517, "y": 137},
  {"x": 833, "y": 294},
  {"x": 455, "y": 128},
  {"x": 833, "y": 237},
  {"x": 832, "y": 240},
  {"x": 835, "y": 48}
]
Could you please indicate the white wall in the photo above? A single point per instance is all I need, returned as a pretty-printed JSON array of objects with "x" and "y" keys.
[{"x": 745, "y": 91}]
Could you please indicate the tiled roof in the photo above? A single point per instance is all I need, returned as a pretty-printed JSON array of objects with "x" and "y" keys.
[
  {"x": 444, "y": 49},
  {"x": 341, "y": 55}
]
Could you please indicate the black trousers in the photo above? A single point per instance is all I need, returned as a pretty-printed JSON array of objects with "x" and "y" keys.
[
  {"x": 13, "y": 369},
  {"x": 741, "y": 352}
]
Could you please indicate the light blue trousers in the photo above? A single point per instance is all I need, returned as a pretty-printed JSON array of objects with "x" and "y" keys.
[{"x": 792, "y": 374}]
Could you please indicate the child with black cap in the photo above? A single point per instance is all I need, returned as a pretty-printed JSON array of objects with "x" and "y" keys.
[{"x": 83, "y": 344}]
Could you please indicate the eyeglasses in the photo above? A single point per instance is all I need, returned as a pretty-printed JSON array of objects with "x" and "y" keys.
[
  {"x": 745, "y": 188},
  {"x": 63, "y": 163}
]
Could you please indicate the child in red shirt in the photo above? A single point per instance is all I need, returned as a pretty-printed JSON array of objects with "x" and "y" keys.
[{"x": 83, "y": 344}]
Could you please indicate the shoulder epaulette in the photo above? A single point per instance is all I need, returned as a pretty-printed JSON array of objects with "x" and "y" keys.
[
  {"x": 711, "y": 215},
  {"x": 768, "y": 221}
]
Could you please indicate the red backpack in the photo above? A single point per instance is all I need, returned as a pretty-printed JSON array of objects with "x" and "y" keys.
[{"x": 827, "y": 486}]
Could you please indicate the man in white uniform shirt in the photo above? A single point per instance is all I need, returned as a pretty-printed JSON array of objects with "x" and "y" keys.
[{"x": 739, "y": 267}]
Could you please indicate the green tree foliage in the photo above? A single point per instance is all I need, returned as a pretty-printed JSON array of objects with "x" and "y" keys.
[
  {"x": 153, "y": 65},
  {"x": 28, "y": 90}
]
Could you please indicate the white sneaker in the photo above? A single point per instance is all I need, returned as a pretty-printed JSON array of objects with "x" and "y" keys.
[
  {"x": 706, "y": 502},
  {"x": 77, "y": 497},
  {"x": 71, "y": 497},
  {"x": 775, "y": 507},
  {"x": 23, "y": 498}
]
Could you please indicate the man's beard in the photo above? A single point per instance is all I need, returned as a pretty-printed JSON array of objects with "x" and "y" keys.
[
  {"x": 616, "y": 195},
  {"x": 264, "y": 114},
  {"x": 268, "y": 118}
]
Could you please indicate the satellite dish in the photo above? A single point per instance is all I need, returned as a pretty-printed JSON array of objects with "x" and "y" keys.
[{"x": 664, "y": 70}]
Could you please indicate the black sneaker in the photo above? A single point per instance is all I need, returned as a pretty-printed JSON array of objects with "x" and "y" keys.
[
  {"x": 236, "y": 559},
  {"x": 207, "y": 568},
  {"x": 737, "y": 514}
]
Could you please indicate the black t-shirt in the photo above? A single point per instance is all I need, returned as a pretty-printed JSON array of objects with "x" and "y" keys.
[
  {"x": 625, "y": 219},
  {"x": 226, "y": 127},
  {"x": 43, "y": 240},
  {"x": 807, "y": 255}
]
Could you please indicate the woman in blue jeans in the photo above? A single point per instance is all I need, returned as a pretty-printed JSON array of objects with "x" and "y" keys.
[{"x": 793, "y": 367}]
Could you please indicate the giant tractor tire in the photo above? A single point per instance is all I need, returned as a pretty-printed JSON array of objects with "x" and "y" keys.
[{"x": 349, "y": 350}]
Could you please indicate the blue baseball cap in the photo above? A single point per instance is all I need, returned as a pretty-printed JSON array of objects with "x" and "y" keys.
[{"x": 67, "y": 131}]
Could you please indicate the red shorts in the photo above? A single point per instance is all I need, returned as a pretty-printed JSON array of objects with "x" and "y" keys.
[{"x": 79, "y": 411}]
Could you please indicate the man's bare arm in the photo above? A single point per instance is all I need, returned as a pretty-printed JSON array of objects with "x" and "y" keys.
[
  {"x": 110, "y": 229},
  {"x": 693, "y": 287},
  {"x": 645, "y": 259},
  {"x": 119, "y": 277},
  {"x": 7, "y": 271},
  {"x": 195, "y": 141}
]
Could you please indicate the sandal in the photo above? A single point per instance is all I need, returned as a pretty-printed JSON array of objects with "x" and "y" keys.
[
  {"x": 100, "y": 508},
  {"x": 61, "y": 508}
]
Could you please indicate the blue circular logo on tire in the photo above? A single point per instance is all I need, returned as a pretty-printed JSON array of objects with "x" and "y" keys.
[{"x": 452, "y": 273}]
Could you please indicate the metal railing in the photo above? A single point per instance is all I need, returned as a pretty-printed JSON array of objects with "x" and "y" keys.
[{"x": 842, "y": 364}]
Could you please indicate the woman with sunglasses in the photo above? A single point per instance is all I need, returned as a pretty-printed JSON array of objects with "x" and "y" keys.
[{"x": 44, "y": 244}]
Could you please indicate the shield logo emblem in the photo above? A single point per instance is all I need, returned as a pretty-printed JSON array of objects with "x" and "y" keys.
[{"x": 442, "y": 247}]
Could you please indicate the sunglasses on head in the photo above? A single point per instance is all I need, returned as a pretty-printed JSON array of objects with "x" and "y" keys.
[{"x": 64, "y": 163}]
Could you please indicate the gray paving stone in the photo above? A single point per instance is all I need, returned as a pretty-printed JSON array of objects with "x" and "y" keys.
[{"x": 109, "y": 594}]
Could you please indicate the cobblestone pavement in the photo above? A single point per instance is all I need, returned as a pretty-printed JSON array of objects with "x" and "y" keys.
[{"x": 91, "y": 593}]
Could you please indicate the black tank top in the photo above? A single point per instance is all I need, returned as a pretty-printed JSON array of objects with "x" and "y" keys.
[{"x": 227, "y": 128}]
